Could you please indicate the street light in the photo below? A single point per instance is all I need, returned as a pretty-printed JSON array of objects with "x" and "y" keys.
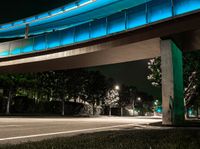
[
  {"x": 156, "y": 102},
  {"x": 133, "y": 104},
  {"x": 139, "y": 99},
  {"x": 117, "y": 87}
]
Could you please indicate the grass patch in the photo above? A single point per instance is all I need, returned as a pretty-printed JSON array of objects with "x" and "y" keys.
[{"x": 123, "y": 139}]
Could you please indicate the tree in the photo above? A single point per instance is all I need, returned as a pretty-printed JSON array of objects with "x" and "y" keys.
[
  {"x": 54, "y": 85},
  {"x": 10, "y": 84},
  {"x": 95, "y": 88},
  {"x": 61, "y": 87},
  {"x": 127, "y": 96},
  {"x": 144, "y": 103},
  {"x": 154, "y": 65},
  {"x": 112, "y": 99},
  {"x": 72, "y": 84},
  {"x": 45, "y": 85},
  {"x": 192, "y": 79},
  {"x": 29, "y": 87},
  {"x": 77, "y": 80}
]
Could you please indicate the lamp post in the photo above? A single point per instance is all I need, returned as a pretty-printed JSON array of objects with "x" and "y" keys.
[
  {"x": 133, "y": 104},
  {"x": 138, "y": 99},
  {"x": 116, "y": 89}
]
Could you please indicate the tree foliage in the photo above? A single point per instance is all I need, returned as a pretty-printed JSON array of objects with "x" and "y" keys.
[
  {"x": 154, "y": 65},
  {"x": 61, "y": 85},
  {"x": 191, "y": 71},
  {"x": 128, "y": 94}
]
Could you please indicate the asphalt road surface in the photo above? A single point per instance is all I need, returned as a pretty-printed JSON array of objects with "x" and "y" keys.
[{"x": 18, "y": 130}]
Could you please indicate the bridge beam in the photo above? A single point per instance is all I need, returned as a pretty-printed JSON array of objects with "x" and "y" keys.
[
  {"x": 172, "y": 83},
  {"x": 119, "y": 51}
]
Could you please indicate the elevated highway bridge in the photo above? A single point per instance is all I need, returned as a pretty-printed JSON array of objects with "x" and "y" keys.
[{"x": 99, "y": 32}]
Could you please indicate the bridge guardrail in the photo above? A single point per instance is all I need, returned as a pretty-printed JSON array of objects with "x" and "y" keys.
[{"x": 150, "y": 12}]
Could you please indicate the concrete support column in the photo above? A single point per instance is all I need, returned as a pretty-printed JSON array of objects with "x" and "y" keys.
[{"x": 172, "y": 83}]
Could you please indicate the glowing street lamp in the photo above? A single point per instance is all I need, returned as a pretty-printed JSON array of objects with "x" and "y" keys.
[
  {"x": 156, "y": 102},
  {"x": 117, "y": 87},
  {"x": 139, "y": 99},
  {"x": 133, "y": 104}
]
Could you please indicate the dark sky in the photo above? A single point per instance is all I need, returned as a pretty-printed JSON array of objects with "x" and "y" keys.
[
  {"x": 16, "y": 9},
  {"x": 134, "y": 73},
  {"x": 131, "y": 73}
]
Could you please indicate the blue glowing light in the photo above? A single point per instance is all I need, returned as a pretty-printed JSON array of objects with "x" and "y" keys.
[
  {"x": 15, "y": 51},
  {"x": 6, "y": 25},
  {"x": 97, "y": 20},
  {"x": 158, "y": 10},
  {"x": 40, "y": 43},
  {"x": 82, "y": 33},
  {"x": 18, "y": 22},
  {"x": 53, "y": 40},
  {"x": 159, "y": 109},
  {"x": 5, "y": 53},
  {"x": 136, "y": 17},
  {"x": 190, "y": 111},
  {"x": 30, "y": 19},
  {"x": 69, "y": 6},
  {"x": 43, "y": 15},
  {"x": 56, "y": 11},
  {"x": 98, "y": 28},
  {"x": 27, "y": 49},
  {"x": 184, "y": 6},
  {"x": 81, "y": 2},
  {"x": 67, "y": 36},
  {"x": 116, "y": 23}
]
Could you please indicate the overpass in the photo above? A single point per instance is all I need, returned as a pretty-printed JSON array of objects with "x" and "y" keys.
[{"x": 98, "y": 32}]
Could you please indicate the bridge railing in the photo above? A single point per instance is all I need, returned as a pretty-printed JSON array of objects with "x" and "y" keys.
[
  {"x": 132, "y": 18},
  {"x": 45, "y": 15}
]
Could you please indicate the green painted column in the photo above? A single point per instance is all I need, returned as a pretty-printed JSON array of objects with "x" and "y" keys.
[{"x": 172, "y": 83}]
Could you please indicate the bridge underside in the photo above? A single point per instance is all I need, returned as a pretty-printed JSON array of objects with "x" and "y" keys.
[
  {"x": 142, "y": 43},
  {"x": 85, "y": 57},
  {"x": 188, "y": 41}
]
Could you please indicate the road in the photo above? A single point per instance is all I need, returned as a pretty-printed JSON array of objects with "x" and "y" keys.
[{"x": 16, "y": 130}]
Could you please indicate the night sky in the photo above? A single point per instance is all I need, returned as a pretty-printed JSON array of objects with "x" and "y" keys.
[
  {"x": 17, "y": 9},
  {"x": 133, "y": 73}
]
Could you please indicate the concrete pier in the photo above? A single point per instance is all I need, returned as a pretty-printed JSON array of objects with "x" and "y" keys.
[{"x": 172, "y": 83}]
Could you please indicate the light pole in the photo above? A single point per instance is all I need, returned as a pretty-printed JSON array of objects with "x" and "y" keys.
[
  {"x": 116, "y": 89},
  {"x": 133, "y": 104},
  {"x": 138, "y": 99}
]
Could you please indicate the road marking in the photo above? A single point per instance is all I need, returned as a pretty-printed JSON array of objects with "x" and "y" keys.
[
  {"x": 66, "y": 132},
  {"x": 5, "y": 126}
]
